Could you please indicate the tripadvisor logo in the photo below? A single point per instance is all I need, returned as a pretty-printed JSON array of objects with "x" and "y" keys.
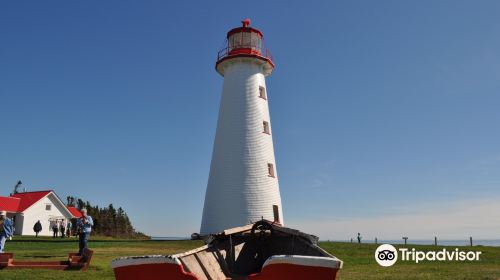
[{"x": 387, "y": 255}]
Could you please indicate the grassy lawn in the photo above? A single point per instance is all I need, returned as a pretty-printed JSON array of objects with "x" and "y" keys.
[
  {"x": 359, "y": 263},
  {"x": 105, "y": 250},
  {"x": 358, "y": 260}
]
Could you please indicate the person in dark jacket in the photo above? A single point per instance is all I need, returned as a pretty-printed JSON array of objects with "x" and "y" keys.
[
  {"x": 37, "y": 228},
  {"x": 62, "y": 229}
]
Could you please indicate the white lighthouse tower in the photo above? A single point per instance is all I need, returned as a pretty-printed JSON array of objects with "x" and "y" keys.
[{"x": 243, "y": 183}]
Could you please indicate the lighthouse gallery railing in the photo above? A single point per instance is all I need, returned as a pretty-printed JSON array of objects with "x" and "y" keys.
[{"x": 244, "y": 49}]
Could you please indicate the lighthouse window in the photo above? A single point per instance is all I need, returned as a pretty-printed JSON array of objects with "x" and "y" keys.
[
  {"x": 266, "y": 127},
  {"x": 262, "y": 93},
  {"x": 276, "y": 213},
  {"x": 48, "y": 207},
  {"x": 270, "y": 170}
]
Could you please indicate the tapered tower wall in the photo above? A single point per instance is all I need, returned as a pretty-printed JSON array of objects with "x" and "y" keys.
[{"x": 243, "y": 181}]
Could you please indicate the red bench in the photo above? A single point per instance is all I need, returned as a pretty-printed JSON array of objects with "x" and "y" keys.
[
  {"x": 82, "y": 262},
  {"x": 6, "y": 259},
  {"x": 74, "y": 262}
]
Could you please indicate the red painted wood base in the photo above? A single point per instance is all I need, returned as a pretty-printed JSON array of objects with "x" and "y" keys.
[
  {"x": 154, "y": 271},
  {"x": 294, "y": 272}
]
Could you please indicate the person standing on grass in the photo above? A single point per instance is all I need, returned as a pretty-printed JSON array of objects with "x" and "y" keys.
[
  {"x": 37, "y": 228},
  {"x": 55, "y": 229},
  {"x": 6, "y": 229},
  {"x": 62, "y": 229},
  {"x": 68, "y": 229},
  {"x": 359, "y": 237},
  {"x": 84, "y": 226}
]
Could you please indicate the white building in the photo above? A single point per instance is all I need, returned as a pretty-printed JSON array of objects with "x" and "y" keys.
[
  {"x": 26, "y": 208},
  {"x": 243, "y": 182}
]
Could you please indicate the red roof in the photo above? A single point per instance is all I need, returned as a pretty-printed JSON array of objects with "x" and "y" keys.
[
  {"x": 9, "y": 204},
  {"x": 29, "y": 198},
  {"x": 74, "y": 211},
  {"x": 21, "y": 201}
]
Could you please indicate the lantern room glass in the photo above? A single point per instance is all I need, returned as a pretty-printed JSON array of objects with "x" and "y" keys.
[{"x": 245, "y": 40}]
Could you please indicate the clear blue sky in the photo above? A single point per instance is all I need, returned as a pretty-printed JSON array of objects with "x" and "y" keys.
[{"x": 379, "y": 108}]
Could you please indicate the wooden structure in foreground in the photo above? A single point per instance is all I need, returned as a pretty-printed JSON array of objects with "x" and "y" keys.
[
  {"x": 260, "y": 251},
  {"x": 74, "y": 262}
]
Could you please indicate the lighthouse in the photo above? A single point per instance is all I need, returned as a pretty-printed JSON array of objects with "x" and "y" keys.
[{"x": 243, "y": 181}]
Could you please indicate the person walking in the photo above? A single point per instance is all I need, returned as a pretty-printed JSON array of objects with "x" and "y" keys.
[
  {"x": 6, "y": 229},
  {"x": 62, "y": 228},
  {"x": 84, "y": 226},
  {"x": 37, "y": 228},
  {"x": 55, "y": 229}
]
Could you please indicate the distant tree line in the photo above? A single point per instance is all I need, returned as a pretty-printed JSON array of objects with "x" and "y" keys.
[{"x": 108, "y": 221}]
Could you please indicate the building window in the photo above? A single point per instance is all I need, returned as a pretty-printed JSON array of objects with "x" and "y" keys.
[
  {"x": 270, "y": 170},
  {"x": 266, "y": 127},
  {"x": 262, "y": 93},
  {"x": 276, "y": 213},
  {"x": 48, "y": 207}
]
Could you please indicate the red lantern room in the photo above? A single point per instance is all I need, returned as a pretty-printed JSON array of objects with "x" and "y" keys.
[{"x": 244, "y": 42}]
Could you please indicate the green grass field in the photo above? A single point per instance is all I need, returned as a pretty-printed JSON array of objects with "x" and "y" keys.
[{"x": 358, "y": 260}]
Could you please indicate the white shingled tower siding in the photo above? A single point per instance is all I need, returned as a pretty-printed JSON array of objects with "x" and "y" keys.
[{"x": 239, "y": 189}]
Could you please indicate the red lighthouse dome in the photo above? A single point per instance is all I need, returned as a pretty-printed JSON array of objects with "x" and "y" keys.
[{"x": 245, "y": 42}]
